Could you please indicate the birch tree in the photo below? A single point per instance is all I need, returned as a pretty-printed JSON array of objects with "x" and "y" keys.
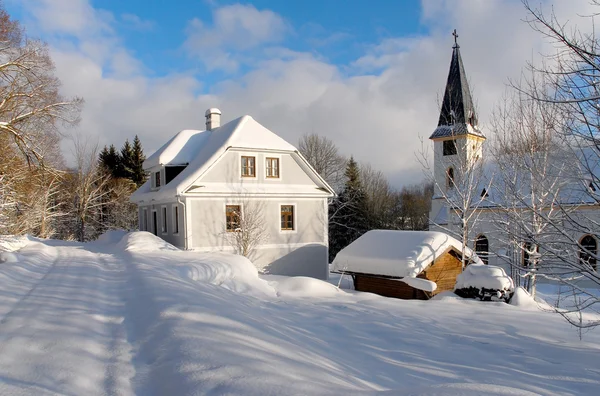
[
  {"x": 31, "y": 107},
  {"x": 534, "y": 171},
  {"x": 463, "y": 191}
]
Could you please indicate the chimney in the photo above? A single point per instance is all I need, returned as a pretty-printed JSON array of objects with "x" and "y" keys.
[{"x": 213, "y": 118}]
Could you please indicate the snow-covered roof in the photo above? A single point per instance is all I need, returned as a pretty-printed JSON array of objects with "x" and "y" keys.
[
  {"x": 179, "y": 150},
  {"x": 201, "y": 149},
  {"x": 573, "y": 175},
  {"x": 396, "y": 253}
]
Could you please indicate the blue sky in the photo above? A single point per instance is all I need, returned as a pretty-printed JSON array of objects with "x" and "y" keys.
[{"x": 366, "y": 74}]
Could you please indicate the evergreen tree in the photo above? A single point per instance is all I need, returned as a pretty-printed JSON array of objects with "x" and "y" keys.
[
  {"x": 138, "y": 176},
  {"x": 348, "y": 216},
  {"x": 126, "y": 161},
  {"x": 110, "y": 160}
]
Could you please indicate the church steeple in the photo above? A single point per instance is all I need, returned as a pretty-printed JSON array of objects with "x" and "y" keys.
[{"x": 457, "y": 115}]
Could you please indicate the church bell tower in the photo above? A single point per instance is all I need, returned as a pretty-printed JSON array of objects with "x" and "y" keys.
[{"x": 456, "y": 140}]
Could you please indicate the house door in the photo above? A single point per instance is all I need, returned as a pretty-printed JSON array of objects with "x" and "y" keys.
[{"x": 154, "y": 223}]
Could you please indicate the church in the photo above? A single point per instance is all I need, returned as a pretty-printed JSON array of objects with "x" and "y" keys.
[{"x": 471, "y": 197}]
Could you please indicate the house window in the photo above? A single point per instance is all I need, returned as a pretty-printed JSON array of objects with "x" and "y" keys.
[
  {"x": 588, "y": 251},
  {"x": 157, "y": 179},
  {"x": 164, "y": 220},
  {"x": 232, "y": 217},
  {"x": 449, "y": 147},
  {"x": 175, "y": 219},
  {"x": 144, "y": 220},
  {"x": 248, "y": 166},
  {"x": 482, "y": 248},
  {"x": 450, "y": 177},
  {"x": 287, "y": 217},
  {"x": 484, "y": 193},
  {"x": 273, "y": 167},
  {"x": 527, "y": 253}
]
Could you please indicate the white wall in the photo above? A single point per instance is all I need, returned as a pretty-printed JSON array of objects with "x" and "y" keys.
[{"x": 302, "y": 251}]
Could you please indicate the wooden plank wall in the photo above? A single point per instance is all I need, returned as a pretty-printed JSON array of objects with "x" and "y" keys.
[{"x": 443, "y": 272}]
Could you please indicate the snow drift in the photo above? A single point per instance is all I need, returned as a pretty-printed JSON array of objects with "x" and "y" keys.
[{"x": 484, "y": 276}]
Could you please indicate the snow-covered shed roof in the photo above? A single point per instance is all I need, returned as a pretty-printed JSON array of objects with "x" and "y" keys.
[
  {"x": 396, "y": 253},
  {"x": 201, "y": 149}
]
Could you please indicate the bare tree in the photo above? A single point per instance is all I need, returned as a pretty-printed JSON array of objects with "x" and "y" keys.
[
  {"x": 322, "y": 154},
  {"x": 462, "y": 188},
  {"x": 568, "y": 79},
  {"x": 380, "y": 197},
  {"x": 88, "y": 191},
  {"x": 31, "y": 108},
  {"x": 534, "y": 172},
  {"x": 245, "y": 229},
  {"x": 413, "y": 204}
]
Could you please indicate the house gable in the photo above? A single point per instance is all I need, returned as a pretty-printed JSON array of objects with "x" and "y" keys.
[{"x": 206, "y": 149}]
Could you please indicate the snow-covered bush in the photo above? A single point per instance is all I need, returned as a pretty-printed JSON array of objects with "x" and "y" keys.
[{"x": 486, "y": 282}]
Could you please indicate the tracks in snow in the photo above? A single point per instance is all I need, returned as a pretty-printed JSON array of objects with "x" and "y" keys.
[{"x": 67, "y": 332}]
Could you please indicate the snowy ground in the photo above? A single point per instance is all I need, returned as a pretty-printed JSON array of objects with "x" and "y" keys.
[{"x": 131, "y": 315}]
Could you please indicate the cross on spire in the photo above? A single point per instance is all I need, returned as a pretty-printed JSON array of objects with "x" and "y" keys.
[{"x": 455, "y": 38}]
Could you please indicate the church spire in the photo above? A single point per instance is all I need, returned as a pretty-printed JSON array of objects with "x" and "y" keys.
[{"x": 458, "y": 111}]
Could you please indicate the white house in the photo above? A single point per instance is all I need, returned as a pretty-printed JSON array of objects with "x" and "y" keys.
[
  {"x": 205, "y": 184},
  {"x": 458, "y": 138}
]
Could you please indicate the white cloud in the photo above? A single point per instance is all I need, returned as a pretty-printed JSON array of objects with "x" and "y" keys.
[
  {"x": 135, "y": 22},
  {"x": 376, "y": 112},
  {"x": 235, "y": 27}
]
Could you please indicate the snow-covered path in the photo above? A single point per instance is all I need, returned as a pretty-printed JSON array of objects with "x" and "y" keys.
[
  {"x": 134, "y": 316},
  {"x": 64, "y": 331}
]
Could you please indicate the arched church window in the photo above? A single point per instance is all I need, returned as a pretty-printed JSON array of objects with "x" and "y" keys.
[
  {"x": 528, "y": 252},
  {"x": 588, "y": 251},
  {"x": 450, "y": 177},
  {"x": 482, "y": 248}
]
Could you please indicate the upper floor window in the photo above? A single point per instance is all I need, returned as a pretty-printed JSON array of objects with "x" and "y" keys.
[
  {"x": 232, "y": 217},
  {"x": 449, "y": 147},
  {"x": 248, "y": 166},
  {"x": 287, "y": 217},
  {"x": 157, "y": 179},
  {"x": 273, "y": 167}
]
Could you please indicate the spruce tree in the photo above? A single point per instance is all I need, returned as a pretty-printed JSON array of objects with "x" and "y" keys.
[
  {"x": 126, "y": 161},
  {"x": 109, "y": 160},
  {"x": 348, "y": 217},
  {"x": 138, "y": 176}
]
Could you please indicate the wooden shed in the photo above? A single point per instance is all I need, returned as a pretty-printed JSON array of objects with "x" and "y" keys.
[{"x": 403, "y": 264}]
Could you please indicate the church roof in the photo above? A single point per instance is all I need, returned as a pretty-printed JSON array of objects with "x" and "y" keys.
[{"x": 457, "y": 115}]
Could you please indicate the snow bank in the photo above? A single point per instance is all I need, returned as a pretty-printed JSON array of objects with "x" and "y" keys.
[
  {"x": 233, "y": 272},
  {"x": 522, "y": 299},
  {"x": 484, "y": 276},
  {"x": 142, "y": 241},
  {"x": 396, "y": 253},
  {"x": 112, "y": 236},
  {"x": 420, "y": 284},
  {"x": 13, "y": 243},
  {"x": 8, "y": 257},
  {"x": 302, "y": 286}
]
